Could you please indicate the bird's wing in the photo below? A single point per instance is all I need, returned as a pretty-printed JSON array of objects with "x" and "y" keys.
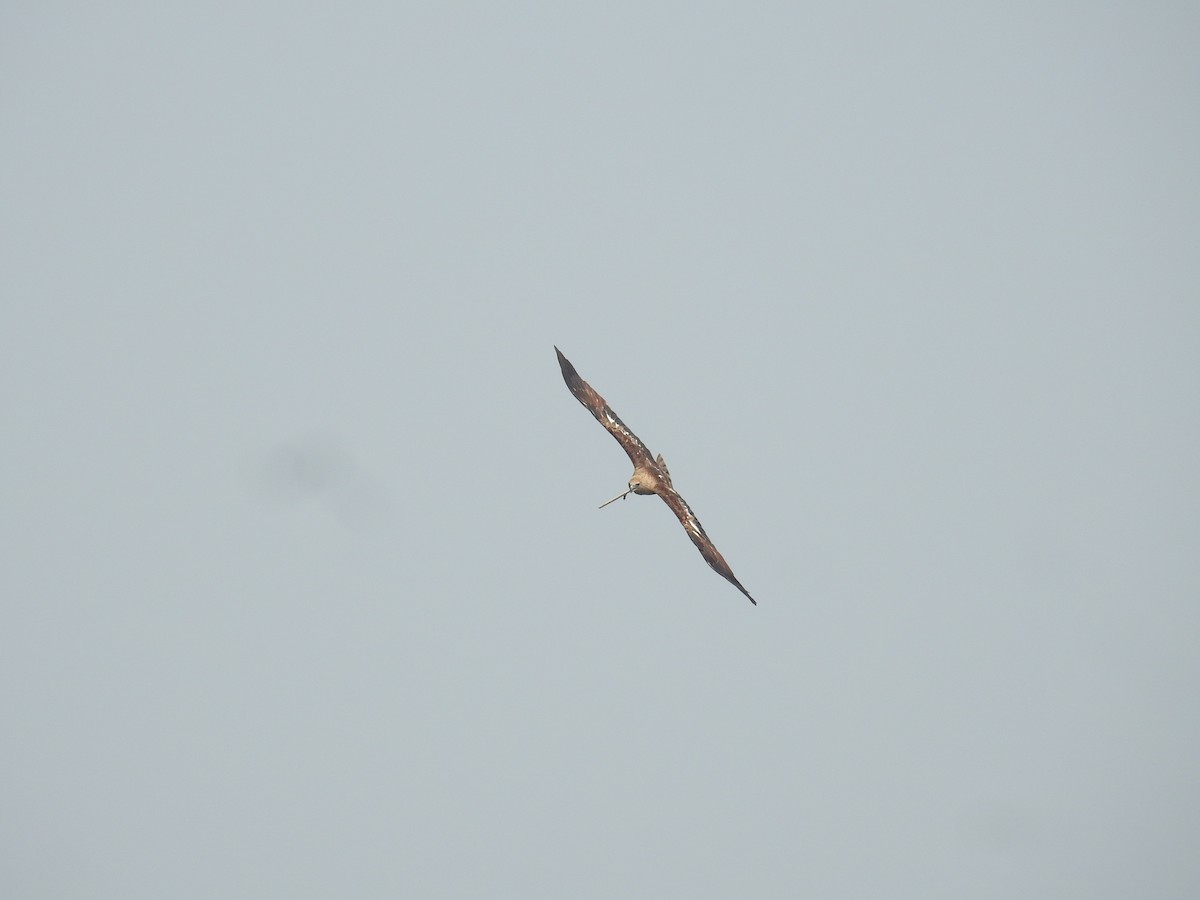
[
  {"x": 695, "y": 531},
  {"x": 596, "y": 405}
]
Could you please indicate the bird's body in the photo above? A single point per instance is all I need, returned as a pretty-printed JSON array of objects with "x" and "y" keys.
[{"x": 650, "y": 473}]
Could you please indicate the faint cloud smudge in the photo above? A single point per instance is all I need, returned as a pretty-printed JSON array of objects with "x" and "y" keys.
[{"x": 317, "y": 469}]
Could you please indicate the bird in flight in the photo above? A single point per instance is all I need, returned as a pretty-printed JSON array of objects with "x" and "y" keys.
[{"x": 650, "y": 475}]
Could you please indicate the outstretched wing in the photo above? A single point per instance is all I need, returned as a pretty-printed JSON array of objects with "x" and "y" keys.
[
  {"x": 596, "y": 405},
  {"x": 695, "y": 531}
]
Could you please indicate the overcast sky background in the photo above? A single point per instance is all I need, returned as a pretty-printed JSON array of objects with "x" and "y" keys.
[{"x": 305, "y": 592}]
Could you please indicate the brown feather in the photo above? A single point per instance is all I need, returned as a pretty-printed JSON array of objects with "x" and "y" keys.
[
  {"x": 598, "y": 407},
  {"x": 703, "y": 543}
]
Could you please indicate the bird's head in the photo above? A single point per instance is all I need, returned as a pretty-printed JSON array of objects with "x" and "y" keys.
[{"x": 644, "y": 481}]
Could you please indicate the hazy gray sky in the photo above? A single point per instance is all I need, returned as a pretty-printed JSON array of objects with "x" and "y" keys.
[{"x": 305, "y": 592}]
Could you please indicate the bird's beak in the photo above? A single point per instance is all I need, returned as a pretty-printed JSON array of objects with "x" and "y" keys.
[{"x": 615, "y": 499}]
